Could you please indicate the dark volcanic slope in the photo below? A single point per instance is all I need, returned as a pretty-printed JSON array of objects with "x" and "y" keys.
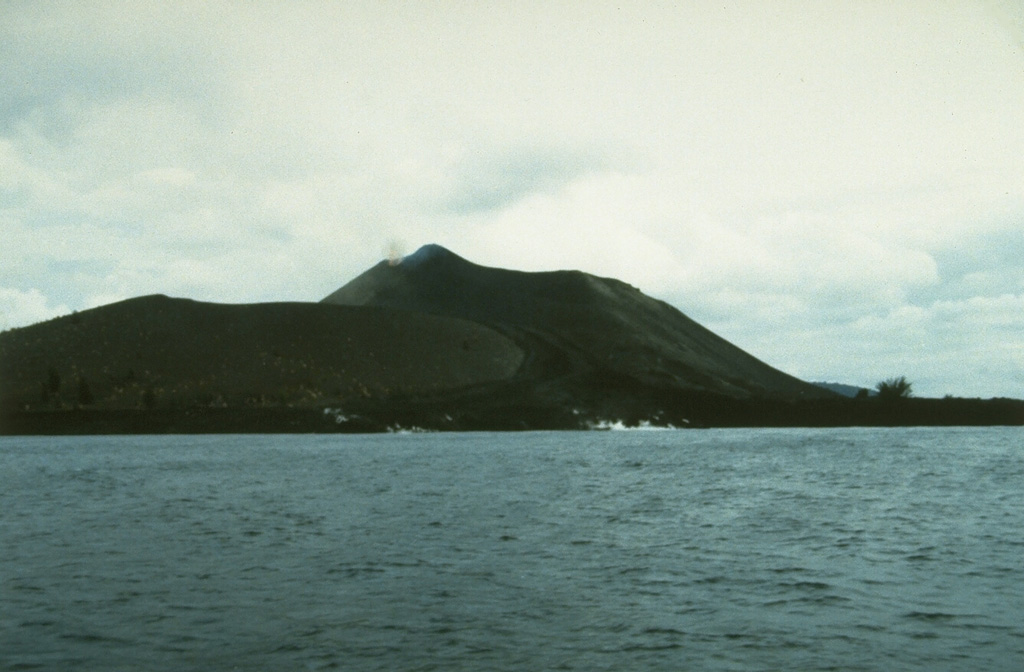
[
  {"x": 189, "y": 352},
  {"x": 577, "y": 322}
]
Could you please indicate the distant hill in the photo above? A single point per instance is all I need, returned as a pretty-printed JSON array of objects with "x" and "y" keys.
[{"x": 845, "y": 390}]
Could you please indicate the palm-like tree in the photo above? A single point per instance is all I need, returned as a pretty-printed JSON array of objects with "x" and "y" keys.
[{"x": 894, "y": 388}]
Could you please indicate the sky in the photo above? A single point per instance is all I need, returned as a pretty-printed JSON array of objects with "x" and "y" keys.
[{"x": 835, "y": 187}]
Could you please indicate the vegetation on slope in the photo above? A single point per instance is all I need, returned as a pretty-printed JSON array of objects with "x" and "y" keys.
[{"x": 175, "y": 353}]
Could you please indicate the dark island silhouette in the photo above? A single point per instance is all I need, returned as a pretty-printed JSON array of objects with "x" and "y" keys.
[{"x": 430, "y": 341}]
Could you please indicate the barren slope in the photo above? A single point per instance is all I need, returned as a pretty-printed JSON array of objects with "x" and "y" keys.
[{"x": 596, "y": 324}]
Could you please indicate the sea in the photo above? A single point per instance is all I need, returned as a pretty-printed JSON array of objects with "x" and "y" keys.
[{"x": 732, "y": 549}]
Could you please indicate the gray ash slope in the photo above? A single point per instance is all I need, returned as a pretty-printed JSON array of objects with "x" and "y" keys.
[{"x": 579, "y": 330}]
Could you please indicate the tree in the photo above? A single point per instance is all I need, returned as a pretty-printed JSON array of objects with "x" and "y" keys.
[
  {"x": 149, "y": 398},
  {"x": 53, "y": 381},
  {"x": 894, "y": 388},
  {"x": 84, "y": 393}
]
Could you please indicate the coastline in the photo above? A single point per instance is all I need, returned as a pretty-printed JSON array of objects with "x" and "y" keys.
[{"x": 701, "y": 411}]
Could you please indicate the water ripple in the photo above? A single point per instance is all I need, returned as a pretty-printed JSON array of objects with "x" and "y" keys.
[{"x": 719, "y": 550}]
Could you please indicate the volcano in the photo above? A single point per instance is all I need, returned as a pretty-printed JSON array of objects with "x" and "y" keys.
[
  {"x": 431, "y": 340},
  {"x": 573, "y": 325}
]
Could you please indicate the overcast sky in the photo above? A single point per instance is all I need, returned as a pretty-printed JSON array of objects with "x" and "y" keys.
[{"x": 836, "y": 187}]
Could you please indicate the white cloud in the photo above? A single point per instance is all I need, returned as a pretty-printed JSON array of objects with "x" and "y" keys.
[
  {"x": 785, "y": 172},
  {"x": 947, "y": 347},
  {"x": 18, "y": 307}
]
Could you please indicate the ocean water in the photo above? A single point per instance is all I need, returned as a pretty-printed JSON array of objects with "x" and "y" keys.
[{"x": 837, "y": 549}]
